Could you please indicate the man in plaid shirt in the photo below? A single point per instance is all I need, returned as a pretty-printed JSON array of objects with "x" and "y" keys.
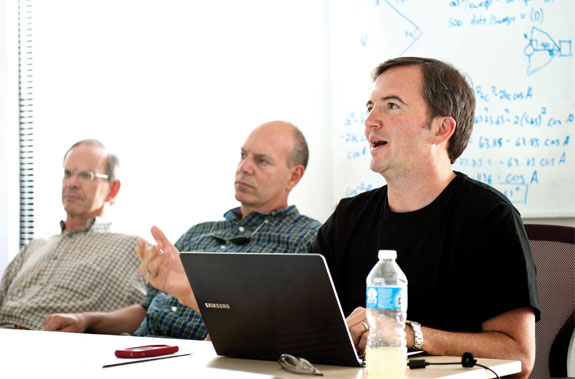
[
  {"x": 272, "y": 161},
  {"x": 84, "y": 268}
]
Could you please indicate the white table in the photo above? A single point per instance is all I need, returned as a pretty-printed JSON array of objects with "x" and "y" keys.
[{"x": 28, "y": 354}]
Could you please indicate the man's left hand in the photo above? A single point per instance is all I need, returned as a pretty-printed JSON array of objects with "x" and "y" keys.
[
  {"x": 163, "y": 269},
  {"x": 358, "y": 328}
]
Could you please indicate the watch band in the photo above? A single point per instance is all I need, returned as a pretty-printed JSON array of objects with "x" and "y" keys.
[{"x": 417, "y": 334}]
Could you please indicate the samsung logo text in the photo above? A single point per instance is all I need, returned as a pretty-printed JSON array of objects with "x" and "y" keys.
[{"x": 217, "y": 305}]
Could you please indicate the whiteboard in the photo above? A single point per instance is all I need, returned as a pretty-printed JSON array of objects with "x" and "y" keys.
[{"x": 520, "y": 57}]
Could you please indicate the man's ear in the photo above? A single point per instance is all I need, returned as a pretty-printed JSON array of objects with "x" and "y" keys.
[
  {"x": 445, "y": 130},
  {"x": 296, "y": 173},
  {"x": 114, "y": 189}
]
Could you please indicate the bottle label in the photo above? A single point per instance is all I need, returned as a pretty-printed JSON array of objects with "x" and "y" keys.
[{"x": 388, "y": 297}]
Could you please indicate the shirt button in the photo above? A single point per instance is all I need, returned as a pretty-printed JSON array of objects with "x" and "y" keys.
[
  {"x": 241, "y": 229},
  {"x": 174, "y": 308}
]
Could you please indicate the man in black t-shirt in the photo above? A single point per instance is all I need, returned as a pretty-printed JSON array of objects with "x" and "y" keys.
[{"x": 462, "y": 245}]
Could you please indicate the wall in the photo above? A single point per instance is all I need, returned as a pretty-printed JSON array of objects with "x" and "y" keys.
[{"x": 175, "y": 89}]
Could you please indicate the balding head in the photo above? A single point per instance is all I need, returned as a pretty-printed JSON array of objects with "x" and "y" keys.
[
  {"x": 112, "y": 161},
  {"x": 273, "y": 160},
  {"x": 288, "y": 132},
  {"x": 85, "y": 187}
]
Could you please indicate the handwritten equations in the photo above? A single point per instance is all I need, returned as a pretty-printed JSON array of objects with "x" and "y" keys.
[{"x": 520, "y": 58}]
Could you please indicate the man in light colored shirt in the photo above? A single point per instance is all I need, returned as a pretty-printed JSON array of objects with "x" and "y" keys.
[
  {"x": 272, "y": 161},
  {"x": 86, "y": 267}
]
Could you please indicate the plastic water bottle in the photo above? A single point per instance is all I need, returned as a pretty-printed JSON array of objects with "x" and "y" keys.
[{"x": 386, "y": 308}]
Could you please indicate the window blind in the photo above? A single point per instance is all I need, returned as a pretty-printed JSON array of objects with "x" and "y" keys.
[{"x": 26, "y": 121}]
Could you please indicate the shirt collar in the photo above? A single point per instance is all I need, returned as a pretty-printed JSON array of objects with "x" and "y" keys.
[
  {"x": 236, "y": 214},
  {"x": 97, "y": 225}
]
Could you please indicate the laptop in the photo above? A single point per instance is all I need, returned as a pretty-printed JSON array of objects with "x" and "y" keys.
[{"x": 260, "y": 306}]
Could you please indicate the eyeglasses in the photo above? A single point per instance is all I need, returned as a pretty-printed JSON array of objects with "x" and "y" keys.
[
  {"x": 240, "y": 240},
  {"x": 84, "y": 176},
  {"x": 297, "y": 365}
]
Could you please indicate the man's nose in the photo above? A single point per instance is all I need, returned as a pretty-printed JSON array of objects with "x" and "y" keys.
[
  {"x": 371, "y": 120},
  {"x": 72, "y": 181},
  {"x": 246, "y": 165}
]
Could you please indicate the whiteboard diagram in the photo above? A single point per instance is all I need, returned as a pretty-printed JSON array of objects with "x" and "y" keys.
[{"x": 542, "y": 49}]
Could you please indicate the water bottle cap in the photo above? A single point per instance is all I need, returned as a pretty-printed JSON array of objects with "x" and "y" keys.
[{"x": 387, "y": 254}]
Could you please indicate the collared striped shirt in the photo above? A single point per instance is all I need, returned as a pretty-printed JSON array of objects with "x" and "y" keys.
[{"x": 281, "y": 231}]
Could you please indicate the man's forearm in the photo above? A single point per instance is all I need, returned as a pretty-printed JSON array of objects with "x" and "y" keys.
[
  {"x": 189, "y": 300},
  {"x": 482, "y": 344},
  {"x": 507, "y": 336},
  {"x": 124, "y": 320}
]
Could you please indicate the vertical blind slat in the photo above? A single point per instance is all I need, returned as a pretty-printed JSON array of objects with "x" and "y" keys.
[{"x": 26, "y": 123}]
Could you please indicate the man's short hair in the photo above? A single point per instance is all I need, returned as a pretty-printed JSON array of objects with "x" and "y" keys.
[
  {"x": 300, "y": 151},
  {"x": 112, "y": 162},
  {"x": 446, "y": 92}
]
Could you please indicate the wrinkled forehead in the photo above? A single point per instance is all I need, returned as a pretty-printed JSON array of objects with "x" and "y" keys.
[
  {"x": 86, "y": 157},
  {"x": 270, "y": 142}
]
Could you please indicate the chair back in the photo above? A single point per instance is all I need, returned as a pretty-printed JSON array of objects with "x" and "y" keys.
[
  {"x": 571, "y": 357},
  {"x": 553, "y": 249}
]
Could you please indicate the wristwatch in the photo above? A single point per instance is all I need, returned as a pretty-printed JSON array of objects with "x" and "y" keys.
[{"x": 417, "y": 334}]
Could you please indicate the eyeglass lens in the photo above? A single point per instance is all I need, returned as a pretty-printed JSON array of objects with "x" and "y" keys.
[
  {"x": 235, "y": 240},
  {"x": 240, "y": 240},
  {"x": 84, "y": 176}
]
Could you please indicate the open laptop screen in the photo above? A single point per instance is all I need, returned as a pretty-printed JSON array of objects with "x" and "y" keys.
[{"x": 262, "y": 305}]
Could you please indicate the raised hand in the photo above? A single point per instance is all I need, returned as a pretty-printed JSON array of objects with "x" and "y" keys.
[{"x": 163, "y": 269}]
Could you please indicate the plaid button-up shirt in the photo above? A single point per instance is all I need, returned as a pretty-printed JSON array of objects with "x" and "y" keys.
[
  {"x": 281, "y": 231},
  {"x": 90, "y": 269}
]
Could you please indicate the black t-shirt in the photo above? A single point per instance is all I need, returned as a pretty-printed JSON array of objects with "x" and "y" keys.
[{"x": 466, "y": 255}]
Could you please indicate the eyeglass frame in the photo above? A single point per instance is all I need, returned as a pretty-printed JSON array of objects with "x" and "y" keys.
[
  {"x": 240, "y": 240},
  {"x": 298, "y": 365},
  {"x": 68, "y": 174}
]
